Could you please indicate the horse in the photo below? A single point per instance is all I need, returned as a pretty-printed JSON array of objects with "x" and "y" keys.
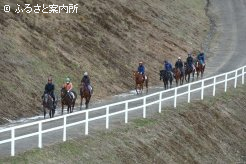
[
  {"x": 199, "y": 68},
  {"x": 166, "y": 77},
  {"x": 66, "y": 99},
  {"x": 188, "y": 71},
  {"x": 48, "y": 104},
  {"x": 84, "y": 94},
  {"x": 179, "y": 77},
  {"x": 140, "y": 81}
]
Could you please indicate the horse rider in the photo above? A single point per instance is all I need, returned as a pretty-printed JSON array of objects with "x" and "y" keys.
[
  {"x": 87, "y": 82},
  {"x": 201, "y": 58},
  {"x": 190, "y": 62},
  {"x": 179, "y": 65},
  {"x": 49, "y": 89},
  {"x": 141, "y": 69},
  {"x": 168, "y": 67},
  {"x": 69, "y": 86}
]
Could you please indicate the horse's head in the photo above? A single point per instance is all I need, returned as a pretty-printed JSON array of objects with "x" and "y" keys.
[
  {"x": 63, "y": 92},
  {"x": 134, "y": 73},
  {"x": 45, "y": 98}
]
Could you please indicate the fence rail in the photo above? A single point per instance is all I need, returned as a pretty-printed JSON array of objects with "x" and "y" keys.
[{"x": 229, "y": 76}]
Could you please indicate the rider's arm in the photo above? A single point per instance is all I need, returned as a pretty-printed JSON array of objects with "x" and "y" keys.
[{"x": 71, "y": 87}]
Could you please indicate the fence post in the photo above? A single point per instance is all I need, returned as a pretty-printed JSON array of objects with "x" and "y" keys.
[
  {"x": 12, "y": 142},
  {"x": 226, "y": 82},
  {"x": 189, "y": 93},
  {"x": 160, "y": 97},
  {"x": 65, "y": 129},
  {"x": 40, "y": 135},
  {"x": 144, "y": 107},
  {"x": 214, "y": 86},
  {"x": 243, "y": 75},
  {"x": 202, "y": 91},
  {"x": 175, "y": 97},
  {"x": 86, "y": 122},
  {"x": 126, "y": 112},
  {"x": 235, "y": 84},
  {"x": 107, "y": 117}
]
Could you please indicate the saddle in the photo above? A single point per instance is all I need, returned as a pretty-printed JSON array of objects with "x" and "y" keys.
[{"x": 71, "y": 94}]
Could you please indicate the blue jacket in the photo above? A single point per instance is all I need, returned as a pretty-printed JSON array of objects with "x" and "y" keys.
[
  {"x": 201, "y": 56},
  {"x": 141, "y": 69},
  {"x": 168, "y": 66}
]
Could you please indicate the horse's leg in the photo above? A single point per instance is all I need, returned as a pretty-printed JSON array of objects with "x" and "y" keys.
[
  {"x": 86, "y": 103},
  {"x": 136, "y": 87},
  {"x": 146, "y": 83},
  {"x": 73, "y": 105},
  {"x": 44, "y": 112},
  {"x": 62, "y": 108},
  {"x": 53, "y": 112},
  {"x": 50, "y": 112},
  {"x": 81, "y": 100}
]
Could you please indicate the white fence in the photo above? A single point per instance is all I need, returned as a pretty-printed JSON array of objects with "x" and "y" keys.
[{"x": 229, "y": 76}]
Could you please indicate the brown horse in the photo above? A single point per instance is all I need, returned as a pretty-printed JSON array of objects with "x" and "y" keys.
[
  {"x": 199, "y": 69},
  {"x": 67, "y": 99},
  {"x": 139, "y": 79},
  {"x": 84, "y": 94},
  {"x": 179, "y": 77},
  {"x": 188, "y": 70}
]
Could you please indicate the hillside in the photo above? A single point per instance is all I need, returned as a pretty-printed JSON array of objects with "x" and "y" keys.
[
  {"x": 209, "y": 131},
  {"x": 105, "y": 38}
]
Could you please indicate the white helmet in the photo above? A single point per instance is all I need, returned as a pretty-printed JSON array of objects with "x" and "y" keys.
[
  {"x": 86, "y": 74},
  {"x": 179, "y": 58}
]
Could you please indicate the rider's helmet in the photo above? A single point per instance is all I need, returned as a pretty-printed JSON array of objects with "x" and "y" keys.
[
  {"x": 86, "y": 74},
  {"x": 67, "y": 80},
  {"x": 140, "y": 63},
  {"x": 165, "y": 61},
  {"x": 179, "y": 58}
]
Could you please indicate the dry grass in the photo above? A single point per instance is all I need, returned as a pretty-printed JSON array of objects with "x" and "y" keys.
[
  {"x": 105, "y": 38},
  {"x": 209, "y": 131}
]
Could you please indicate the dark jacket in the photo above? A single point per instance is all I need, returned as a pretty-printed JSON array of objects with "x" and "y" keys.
[
  {"x": 49, "y": 88},
  {"x": 179, "y": 64},
  {"x": 189, "y": 60},
  {"x": 86, "y": 80}
]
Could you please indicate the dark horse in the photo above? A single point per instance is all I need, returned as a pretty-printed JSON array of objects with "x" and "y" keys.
[
  {"x": 188, "y": 71},
  {"x": 179, "y": 77},
  {"x": 48, "y": 104},
  {"x": 140, "y": 81},
  {"x": 85, "y": 94},
  {"x": 166, "y": 77},
  {"x": 67, "y": 99},
  {"x": 199, "y": 68}
]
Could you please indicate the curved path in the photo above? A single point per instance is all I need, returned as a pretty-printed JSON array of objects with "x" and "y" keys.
[{"x": 228, "y": 54}]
